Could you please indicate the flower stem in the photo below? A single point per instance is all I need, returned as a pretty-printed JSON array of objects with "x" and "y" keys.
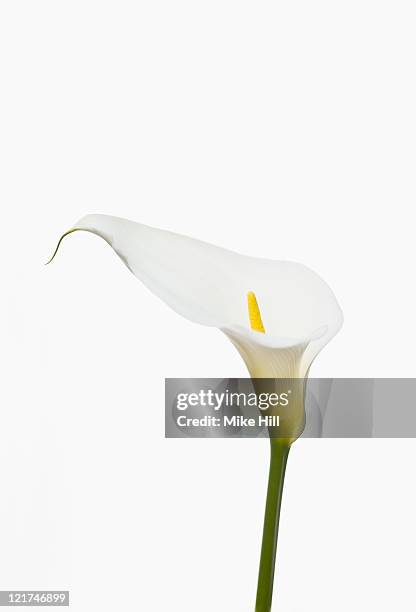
[{"x": 279, "y": 451}]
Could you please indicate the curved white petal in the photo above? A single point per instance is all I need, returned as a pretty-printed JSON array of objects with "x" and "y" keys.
[{"x": 209, "y": 285}]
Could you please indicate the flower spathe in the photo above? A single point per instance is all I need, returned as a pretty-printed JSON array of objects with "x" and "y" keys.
[{"x": 209, "y": 285}]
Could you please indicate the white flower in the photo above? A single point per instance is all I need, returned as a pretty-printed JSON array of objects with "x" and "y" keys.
[
  {"x": 211, "y": 285},
  {"x": 278, "y": 314}
]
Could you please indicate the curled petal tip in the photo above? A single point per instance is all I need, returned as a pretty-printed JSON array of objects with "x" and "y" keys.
[{"x": 71, "y": 231}]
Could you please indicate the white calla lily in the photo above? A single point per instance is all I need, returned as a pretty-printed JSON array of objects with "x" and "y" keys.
[
  {"x": 278, "y": 336},
  {"x": 209, "y": 285}
]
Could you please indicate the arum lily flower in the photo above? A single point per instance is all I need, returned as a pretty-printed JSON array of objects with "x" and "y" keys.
[{"x": 278, "y": 314}]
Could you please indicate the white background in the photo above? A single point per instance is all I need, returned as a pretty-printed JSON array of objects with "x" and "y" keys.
[{"x": 278, "y": 129}]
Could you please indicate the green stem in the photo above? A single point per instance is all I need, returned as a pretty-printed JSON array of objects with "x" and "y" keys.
[{"x": 279, "y": 451}]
